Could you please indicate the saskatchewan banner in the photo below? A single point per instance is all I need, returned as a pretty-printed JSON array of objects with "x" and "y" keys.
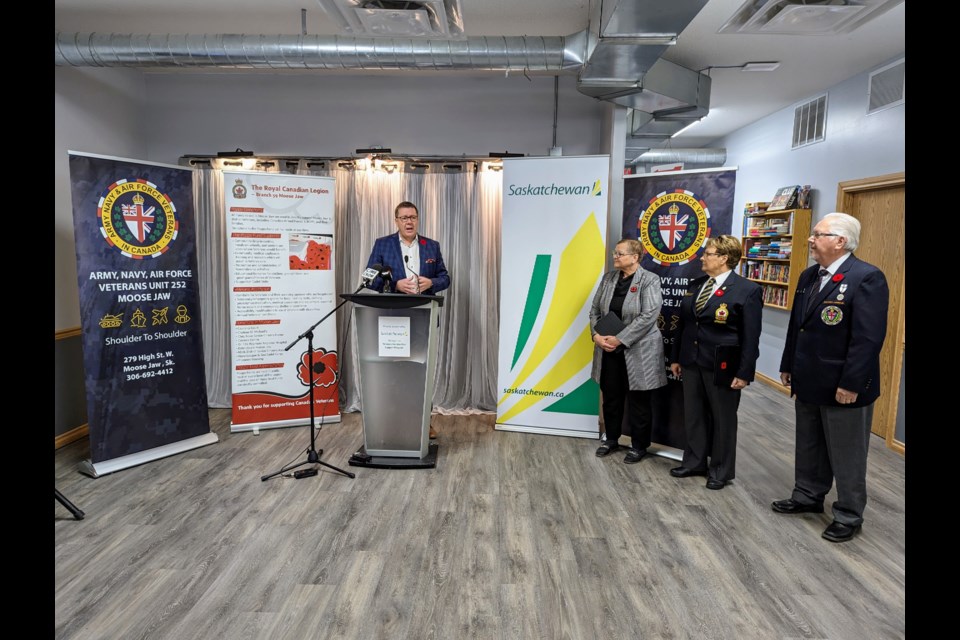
[{"x": 553, "y": 243}]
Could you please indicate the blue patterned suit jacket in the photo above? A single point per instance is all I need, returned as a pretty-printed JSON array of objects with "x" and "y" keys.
[{"x": 386, "y": 252}]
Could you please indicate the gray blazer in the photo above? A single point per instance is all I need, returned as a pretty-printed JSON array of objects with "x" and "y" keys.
[{"x": 646, "y": 367}]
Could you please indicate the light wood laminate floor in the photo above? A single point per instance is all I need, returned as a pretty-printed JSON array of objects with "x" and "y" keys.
[{"x": 512, "y": 535}]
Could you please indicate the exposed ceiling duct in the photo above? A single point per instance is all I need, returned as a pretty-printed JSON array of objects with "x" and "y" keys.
[
  {"x": 617, "y": 59},
  {"x": 239, "y": 51},
  {"x": 693, "y": 156}
]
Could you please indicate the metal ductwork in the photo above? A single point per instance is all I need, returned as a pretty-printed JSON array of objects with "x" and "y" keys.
[
  {"x": 617, "y": 59},
  {"x": 624, "y": 65},
  {"x": 556, "y": 54},
  {"x": 693, "y": 156}
]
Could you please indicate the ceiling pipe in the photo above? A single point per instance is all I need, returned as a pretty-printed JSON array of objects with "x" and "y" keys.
[
  {"x": 555, "y": 54},
  {"x": 715, "y": 157}
]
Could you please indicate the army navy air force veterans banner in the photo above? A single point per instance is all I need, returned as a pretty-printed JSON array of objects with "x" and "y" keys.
[
  {"x": 672, "y": 215},
  {"x": 554, "y": 224},
  {"x": 139, "y": 310}
]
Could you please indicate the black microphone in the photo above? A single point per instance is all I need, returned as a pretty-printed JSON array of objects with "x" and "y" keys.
[
  {"x": 387, "y": 274},
  {"x": 406, "y": 260},
  {"x": 370, "y": 274}
]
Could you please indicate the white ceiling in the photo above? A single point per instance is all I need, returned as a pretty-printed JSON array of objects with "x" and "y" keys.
[{"x": 809, "y": 64}]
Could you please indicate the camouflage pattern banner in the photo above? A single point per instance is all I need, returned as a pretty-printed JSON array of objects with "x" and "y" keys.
[
  {"x": 673, "y": 214},
  {"x": 139, "y": 308}
]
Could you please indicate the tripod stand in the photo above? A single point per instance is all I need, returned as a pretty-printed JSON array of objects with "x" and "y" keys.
[
  {"x": 313, "y": 456},
  {"x": 72, "y": 508}
]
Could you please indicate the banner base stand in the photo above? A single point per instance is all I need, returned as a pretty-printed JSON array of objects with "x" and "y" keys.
[
  {"x": 547, "y": 431},
  {"x": 664, "y": 451},
  {"x": 95, "y": 470},
  {"x": 361, "y": 459}
]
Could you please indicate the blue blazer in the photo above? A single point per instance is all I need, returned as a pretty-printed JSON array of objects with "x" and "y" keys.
[
  {"x": 836, "y": 342},
  {"x": 386, "y": 251},
  {"x": 732, "y": 318}
]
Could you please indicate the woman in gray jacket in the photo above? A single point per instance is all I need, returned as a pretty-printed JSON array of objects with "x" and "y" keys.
[{"x": 629, "y": 365}]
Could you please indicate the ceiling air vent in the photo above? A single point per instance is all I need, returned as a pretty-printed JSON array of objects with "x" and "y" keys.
[
  {"x": 804, "y": 17},
  {"x": 397, "y": 18},
  {"x": 810, "y": 122},
  {"x": 887, "y": 87}
]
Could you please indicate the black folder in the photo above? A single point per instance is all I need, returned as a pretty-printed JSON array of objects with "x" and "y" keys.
[
  {"x": 726, "y": 361},
  {"x": 610, "y": 325}
]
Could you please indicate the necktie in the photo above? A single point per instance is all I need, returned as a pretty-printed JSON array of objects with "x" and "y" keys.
[
  {"x": 705, "y": 295},
  {"x": 815, "y": 289}
]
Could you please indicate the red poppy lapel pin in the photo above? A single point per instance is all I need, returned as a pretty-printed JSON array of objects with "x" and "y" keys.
[
  {"x": 719, "y": 293},
  {"x": 423, "y": 242},
  {"x": 838, "y": 277},
  {"x": 634, "y": 289}
]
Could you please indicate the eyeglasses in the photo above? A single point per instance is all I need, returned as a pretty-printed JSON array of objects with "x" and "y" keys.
[
  {"x": 617, "y": 254},
  {"x": 817, "y": 234},
  {"x": 406, "y": 218},
  {"x": 707, "y": 253}
]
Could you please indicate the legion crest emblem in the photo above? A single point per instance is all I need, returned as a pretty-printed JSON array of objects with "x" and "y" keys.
[
  {"x": 831, "y": 315},
  {"x": 137, "y": 219},
  {"x": 674, "y": 227},
  {"x": 239, "y": 191}
]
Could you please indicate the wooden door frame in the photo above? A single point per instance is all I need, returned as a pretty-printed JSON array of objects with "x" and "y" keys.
[{"x": 845, "y": 191}]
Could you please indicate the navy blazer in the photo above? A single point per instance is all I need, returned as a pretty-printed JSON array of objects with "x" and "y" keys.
[
  {"x": 734, "y": 317},
  {"x": 836, "y": 342},
  {"x": 386, "y": 252}
]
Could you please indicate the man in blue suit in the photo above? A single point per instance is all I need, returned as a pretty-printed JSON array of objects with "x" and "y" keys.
[
  {"x": 415, "y": 262},
  {"x": 831, "y": 362}
]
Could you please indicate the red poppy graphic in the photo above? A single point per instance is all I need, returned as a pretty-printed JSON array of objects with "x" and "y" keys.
[
  {"x": 423, "y": 242},
  {"x": 324, "y": 367},
  {"x": 633, "y": 289},
  {"x": 837, "y": 278},
  {"x": 719, "y": 293}
]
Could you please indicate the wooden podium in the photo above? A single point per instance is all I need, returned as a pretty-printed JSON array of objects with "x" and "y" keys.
[{"x": 397, "y": 348}]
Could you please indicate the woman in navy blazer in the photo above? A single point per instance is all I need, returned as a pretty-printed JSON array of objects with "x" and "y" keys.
[
  {"x": 415, "y": 262},
  {"x": 730, "y": 314}
]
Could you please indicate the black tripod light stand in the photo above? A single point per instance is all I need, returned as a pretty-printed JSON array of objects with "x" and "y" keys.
[{"x": 313, "y": 456}]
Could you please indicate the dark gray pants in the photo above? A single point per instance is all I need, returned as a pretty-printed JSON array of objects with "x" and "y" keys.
[
  {"x": 710, "y": 421},
  {"x": 832, "y": 443}
]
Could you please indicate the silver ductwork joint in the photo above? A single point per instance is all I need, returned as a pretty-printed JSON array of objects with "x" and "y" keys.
[{"x": 555, "y": 54}]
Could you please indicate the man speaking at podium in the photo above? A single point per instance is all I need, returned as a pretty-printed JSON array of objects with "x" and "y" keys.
[{"x": 404, "y": 252}]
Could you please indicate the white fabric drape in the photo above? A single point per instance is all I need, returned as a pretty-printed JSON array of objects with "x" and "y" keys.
[{"x": 461, "y": 210}]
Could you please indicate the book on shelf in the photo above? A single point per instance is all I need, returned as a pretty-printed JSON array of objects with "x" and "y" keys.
[
  {"x": 785, "y": 198},
  {"x": 755, "y": 207}
]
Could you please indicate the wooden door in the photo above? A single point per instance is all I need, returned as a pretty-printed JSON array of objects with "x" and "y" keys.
[{"x": 878, "y": 203}]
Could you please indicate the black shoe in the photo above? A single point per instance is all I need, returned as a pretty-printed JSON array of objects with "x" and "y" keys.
[
  {"x": 792, "y": 506},
  {"x": 715, "y": 484},
  {"x": 683, "y": 472},
  {"x": 606, "y": 449},
  {"x": 634, "y": 456},
  {"x": 839, "y": 532}
]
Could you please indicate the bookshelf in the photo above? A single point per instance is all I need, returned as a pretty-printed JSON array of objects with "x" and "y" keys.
[{"x": 774, "y": 251}]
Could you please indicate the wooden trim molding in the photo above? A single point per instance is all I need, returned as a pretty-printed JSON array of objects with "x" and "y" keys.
[
  {"x": 73, "y": 435},
  {"x": 66, "y": 333},
  {"x": 868, "y": 184},
  {"x": 771, "y": 382}
]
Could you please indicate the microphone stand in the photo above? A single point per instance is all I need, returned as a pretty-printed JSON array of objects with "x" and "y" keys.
[
  {"x": 313, "y": 456},
  {"x": 406, "y": 262}
]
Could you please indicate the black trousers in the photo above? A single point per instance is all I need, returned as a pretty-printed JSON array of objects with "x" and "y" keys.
[
  {"x": 618, "y": 397},
  {"x": 710, "y": 418}
]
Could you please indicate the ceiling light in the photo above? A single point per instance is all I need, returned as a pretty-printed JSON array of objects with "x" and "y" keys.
[{"x": 761, "y": 66}]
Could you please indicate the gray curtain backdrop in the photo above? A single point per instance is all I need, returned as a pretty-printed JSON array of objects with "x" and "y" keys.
[{"x": 460, "y": 206}]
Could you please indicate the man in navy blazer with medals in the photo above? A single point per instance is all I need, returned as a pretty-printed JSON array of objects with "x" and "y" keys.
[
  {"x": 718, "y": 309},
  {"x": 413, "y": 256},
  {"x": 417, "y": 258},
  {"x": 831, "y": 362}
]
